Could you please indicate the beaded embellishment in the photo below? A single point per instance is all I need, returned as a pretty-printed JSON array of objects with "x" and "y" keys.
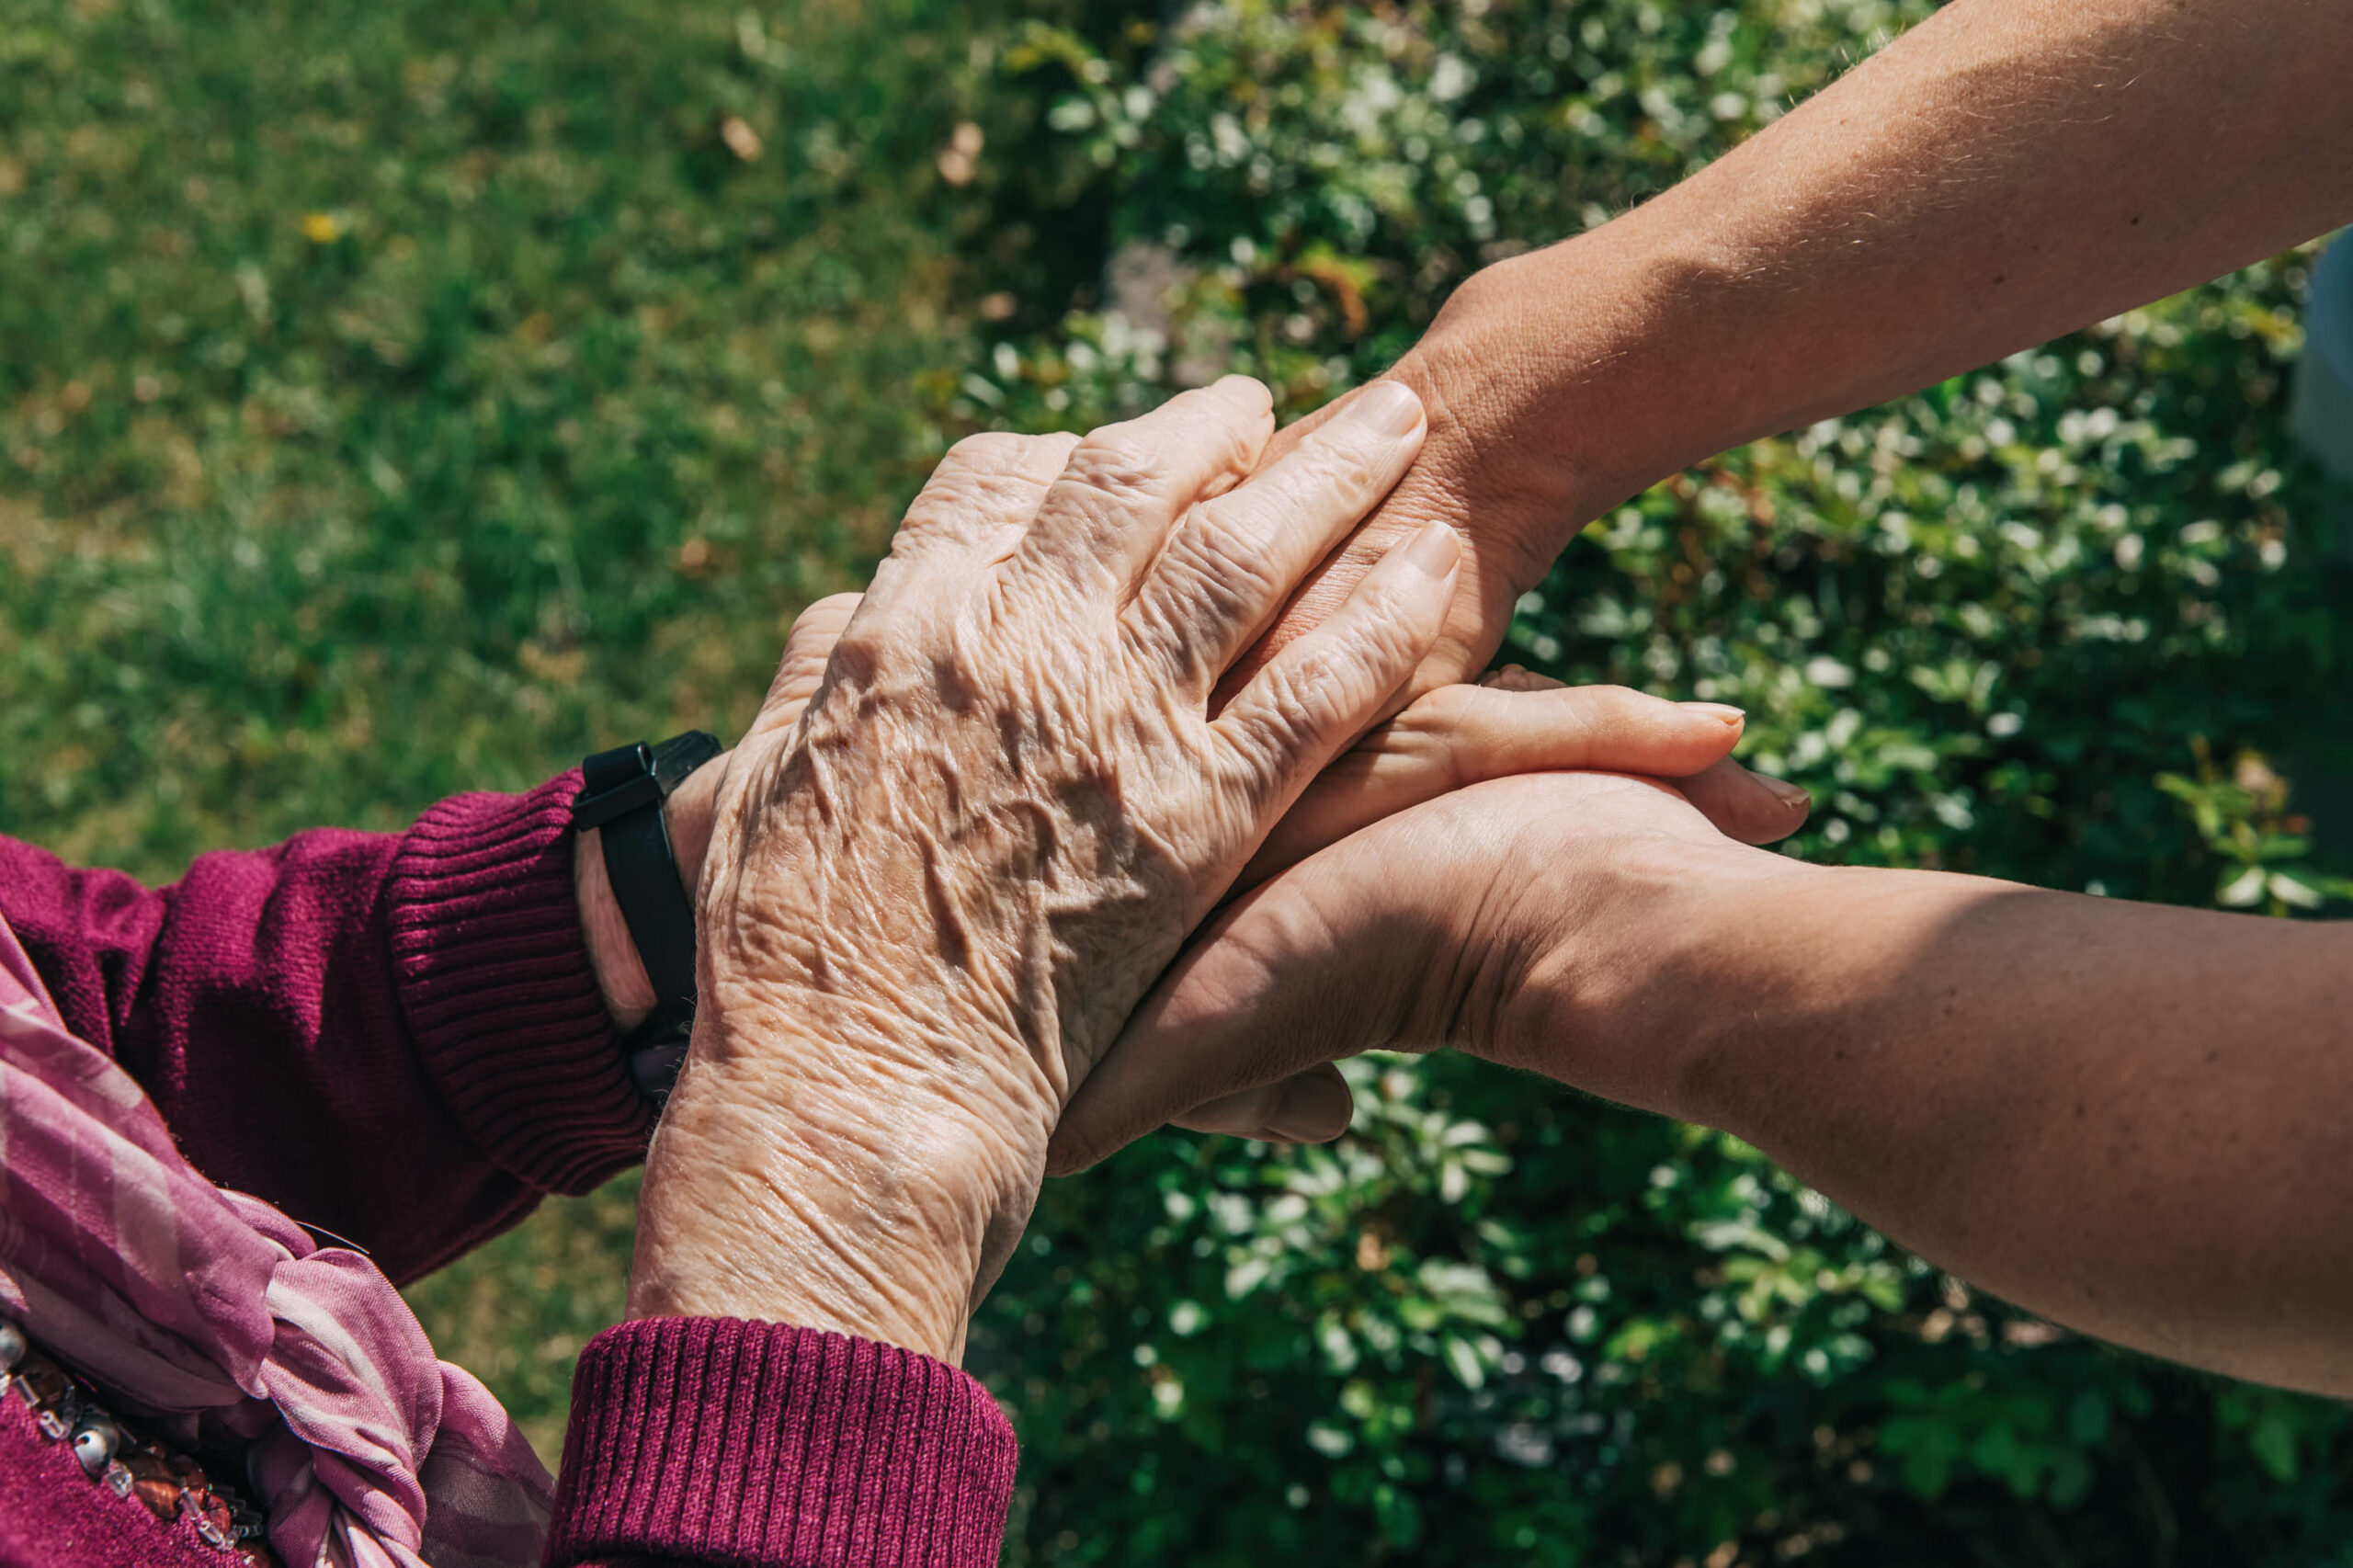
[{"x": 166, "y": 1485}]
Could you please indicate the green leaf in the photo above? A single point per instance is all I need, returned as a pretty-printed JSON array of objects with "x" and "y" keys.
[
  {"x": 2272, "y": 1441},
  {"x": 1463, "y": 1359}
]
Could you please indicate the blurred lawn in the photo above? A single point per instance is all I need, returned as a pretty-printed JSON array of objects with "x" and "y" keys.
[
  {"x": 406, "y": 397},
  {"x": 410, "y": 396}
]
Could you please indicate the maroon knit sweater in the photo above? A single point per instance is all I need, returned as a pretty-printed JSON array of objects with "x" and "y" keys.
[{"x": 399, "y": 1039}]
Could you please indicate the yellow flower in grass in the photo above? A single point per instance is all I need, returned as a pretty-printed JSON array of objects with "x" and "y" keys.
[{"x": 321, "y": 228}]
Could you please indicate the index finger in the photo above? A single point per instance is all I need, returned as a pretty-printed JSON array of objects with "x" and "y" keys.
[{"x": 1103, "y": 521}]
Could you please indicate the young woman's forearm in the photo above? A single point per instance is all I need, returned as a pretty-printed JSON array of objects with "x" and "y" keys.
[
  {"x": 2004, "y": 173},
  {"x": 2008, "y": 171},
  {"x": 2129, "y": 1118}
]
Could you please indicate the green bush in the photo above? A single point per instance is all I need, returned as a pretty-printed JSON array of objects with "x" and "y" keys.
[
  {"x": 2051, "y": 621},
  {"x": 405, "y": 397}
]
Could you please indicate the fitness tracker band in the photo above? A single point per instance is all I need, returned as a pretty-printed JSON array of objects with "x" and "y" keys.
[{"x": 621, "y": 793}]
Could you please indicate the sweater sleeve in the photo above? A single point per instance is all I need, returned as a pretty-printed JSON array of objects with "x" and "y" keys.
[
  {"x": 709, "y": 1440},
  {"x": 396, "y": 1039}
]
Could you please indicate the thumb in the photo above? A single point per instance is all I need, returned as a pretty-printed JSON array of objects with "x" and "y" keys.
[
  {"x": 808, "y": 648},
  {"x": 1345, "y": 952}
]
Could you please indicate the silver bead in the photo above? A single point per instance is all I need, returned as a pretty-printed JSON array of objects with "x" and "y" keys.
[
  {"x": 12, "y": 1345},
  {"x": 95, "y": 1442}
]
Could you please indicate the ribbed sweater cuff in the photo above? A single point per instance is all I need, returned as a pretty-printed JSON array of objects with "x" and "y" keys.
[
  {"x": 771, "y": 1447},
  {"x": 499, "y": 993}
]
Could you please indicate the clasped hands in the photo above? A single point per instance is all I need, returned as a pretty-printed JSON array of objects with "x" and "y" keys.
[{"x": 984, "y": 807}]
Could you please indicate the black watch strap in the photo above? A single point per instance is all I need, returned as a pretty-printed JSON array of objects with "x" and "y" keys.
[{"x": 621, "y": 793}]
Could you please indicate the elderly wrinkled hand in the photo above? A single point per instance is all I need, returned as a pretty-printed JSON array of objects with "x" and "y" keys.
[{"x": 930, "y": 903}]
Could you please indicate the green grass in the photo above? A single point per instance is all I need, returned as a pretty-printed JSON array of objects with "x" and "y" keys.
[
  {"x": 406, "y": 397},
  {"x": 402, "y": 398}
]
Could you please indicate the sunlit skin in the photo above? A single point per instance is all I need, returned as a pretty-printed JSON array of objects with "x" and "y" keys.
[
  {"x": 2008, "y": 171},
  {"x": 931, "y": 898},
  {"x": 2126, "y": 1117},
  {"x": 808, "y": 1142},
  {"x": 2005, "y": 171}
]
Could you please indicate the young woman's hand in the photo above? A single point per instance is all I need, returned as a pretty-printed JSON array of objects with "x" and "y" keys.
[
  {"x": 1515, "y": 722},
  {"x": 1533, "y": 920}
]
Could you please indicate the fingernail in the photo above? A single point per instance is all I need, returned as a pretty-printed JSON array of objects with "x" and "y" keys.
[
  {"x": 1387, "y": 408},
  {"x": 1313, "y": 1110},
  {"x": 1789, "y": 794},
  {"x": 1514, "y": 678},
  {"x": 1434, "y": 549},
  {"x": 1724, "y": 711},
  {"x": 1247, "y": 391}
]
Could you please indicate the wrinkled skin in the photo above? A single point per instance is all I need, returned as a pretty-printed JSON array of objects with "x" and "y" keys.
[
  {"x": 930, "y": 902},
  {"x": 1515, "y": 512},
  {"x": 1499, "y": 469},
  {"x": 1516, "y": 919},
  {"x": 957, "y": 849},
  {"x": 1512, "y": 723}
]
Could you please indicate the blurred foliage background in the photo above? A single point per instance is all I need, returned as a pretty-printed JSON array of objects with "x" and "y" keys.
[{"x": 406, "y": 397}]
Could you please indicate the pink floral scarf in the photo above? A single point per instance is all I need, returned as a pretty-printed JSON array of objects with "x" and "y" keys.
[{"x": 218, "y": 1318}]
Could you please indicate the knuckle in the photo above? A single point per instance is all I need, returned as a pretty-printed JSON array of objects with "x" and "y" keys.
[
  {"x": 1203, "y": 610},
  {"x": 824, "y": 618},
  {"x": 1595, "y": 703},
  {"x": 1348, "y": 467},
  {"x": 892, "y": 571},
  {"x": 947, "y": 501},
  {"x": 1117, "y": 460},
  {"x": 965, "y": 489},
  {"x": 1490, "y": 733},
  {"x": 1278, "y": 729},
  {"x": 989, "y": 449},
  {"x": 969, "y": 502},
  {"x": 1561, "y": 733},
  {"x": 1223, "y": 550},
  {"x": 860, "y": 656},
  {"x": 1581, "y": 730},
  {"x": 1387, "y": 636},
  {"x": 1308, "y": 693}
]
